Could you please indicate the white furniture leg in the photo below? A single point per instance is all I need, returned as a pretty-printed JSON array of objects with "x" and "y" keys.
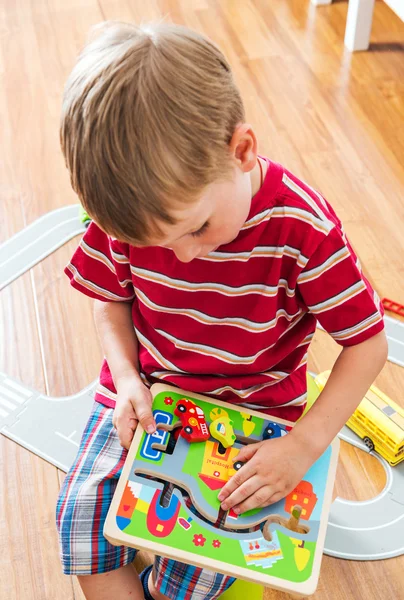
[{"x": 359, "y": 24}]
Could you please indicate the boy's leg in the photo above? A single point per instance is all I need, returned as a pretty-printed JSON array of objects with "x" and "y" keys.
[
  {"x": 176, "y": 581},
  {"x": 152, "y": 587},
  {"x": 121, "y": 584},
  {"x": 104, "y": 570}
]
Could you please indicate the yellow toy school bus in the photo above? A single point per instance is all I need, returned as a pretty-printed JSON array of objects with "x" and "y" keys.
[{"x": 378, "y": 421}]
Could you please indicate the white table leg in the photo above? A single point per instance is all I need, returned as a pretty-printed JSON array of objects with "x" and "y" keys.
[
  {"x": 318, "y": 2},
  {"x": 359, "y": 24}
]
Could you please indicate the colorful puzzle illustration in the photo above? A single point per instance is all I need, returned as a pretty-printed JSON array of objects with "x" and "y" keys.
[{"x": 166, "y": 499}]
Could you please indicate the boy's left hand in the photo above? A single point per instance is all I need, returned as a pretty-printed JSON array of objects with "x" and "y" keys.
[{"x": 273, "y": 469}]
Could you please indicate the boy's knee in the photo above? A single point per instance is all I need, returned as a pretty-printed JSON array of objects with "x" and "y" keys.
[
  {"x": 157, "y": 595},
  {"x": 118, "y": 583}
]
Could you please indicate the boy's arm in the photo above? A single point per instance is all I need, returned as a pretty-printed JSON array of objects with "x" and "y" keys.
[
  {"x": 354, "y": 372},
  {"x": 118, "y": 339},
  {"x": 120, "y": 346},
  {"x": 274, "y": 467},
  {"x": 333, "y": 288}
]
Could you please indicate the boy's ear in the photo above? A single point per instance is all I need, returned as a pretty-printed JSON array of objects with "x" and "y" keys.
[{"x": 243, "y": 147}]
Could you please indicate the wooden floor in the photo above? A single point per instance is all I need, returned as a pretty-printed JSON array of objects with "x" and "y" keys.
[{"x": 335, "y": 119}]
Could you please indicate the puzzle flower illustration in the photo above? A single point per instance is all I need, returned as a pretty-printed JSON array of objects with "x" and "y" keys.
[
  {"x": 168, "y": 400},
  {"x": 216, "y": 543},
  {"x": 199, "y": 540}
]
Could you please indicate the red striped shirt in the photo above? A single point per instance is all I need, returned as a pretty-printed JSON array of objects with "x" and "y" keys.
[{"x": 237, "y": 323}]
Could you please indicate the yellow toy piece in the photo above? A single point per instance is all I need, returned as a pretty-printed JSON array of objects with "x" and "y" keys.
[
  {"x": 302, "y": 554},
  {"x": 222, "y": 430},
  {"x": 313, "y": 393},
  {"x": 248, "y": 424},
  {"x": 217, "y": 412},
  {"x": 378, "y": 421},
  {"x": 244, "y": 589}
]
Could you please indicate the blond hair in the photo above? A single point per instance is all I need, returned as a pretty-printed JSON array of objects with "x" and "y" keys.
[{"x": 148, "y": 113}]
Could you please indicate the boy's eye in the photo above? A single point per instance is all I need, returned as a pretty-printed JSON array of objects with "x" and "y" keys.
[{"x": 201, "y": 230}]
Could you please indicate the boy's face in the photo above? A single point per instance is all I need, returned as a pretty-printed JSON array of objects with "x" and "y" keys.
[{"x": 215, "y": 219}]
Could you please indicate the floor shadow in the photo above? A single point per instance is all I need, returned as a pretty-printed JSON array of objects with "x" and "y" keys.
[{"x": 386, "y": 47}]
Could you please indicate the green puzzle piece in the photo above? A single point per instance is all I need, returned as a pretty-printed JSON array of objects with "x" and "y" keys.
[{"x": 244, "y": 589}]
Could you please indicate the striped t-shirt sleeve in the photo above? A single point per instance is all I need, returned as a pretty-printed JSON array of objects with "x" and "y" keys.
[
  {"x": 100, "y": 267},
  {"x": 334, "y": 290}
]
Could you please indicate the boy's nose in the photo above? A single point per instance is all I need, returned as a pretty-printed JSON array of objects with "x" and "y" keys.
[{"x": 185, "y": 253}]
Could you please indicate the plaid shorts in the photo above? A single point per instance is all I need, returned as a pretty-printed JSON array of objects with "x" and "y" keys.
[{"x": 82, "y": 508}]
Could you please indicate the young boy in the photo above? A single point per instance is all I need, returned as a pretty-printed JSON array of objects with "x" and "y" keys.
[{"x": 209, "y": 266}]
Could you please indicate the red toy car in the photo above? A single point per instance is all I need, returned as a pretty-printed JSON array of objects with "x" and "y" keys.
[{"x": 194, "y": 426}]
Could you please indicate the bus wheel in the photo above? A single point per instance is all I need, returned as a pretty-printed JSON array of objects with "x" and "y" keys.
[{"x": 368, "y": 443}]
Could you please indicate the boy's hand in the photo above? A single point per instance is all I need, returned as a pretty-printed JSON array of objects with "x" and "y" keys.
[
  {"x": 134, "y": 404},
  {"x": 273, "y": 469}
]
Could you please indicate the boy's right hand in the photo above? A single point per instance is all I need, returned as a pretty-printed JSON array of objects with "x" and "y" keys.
[{"x": 134, "y": 404}]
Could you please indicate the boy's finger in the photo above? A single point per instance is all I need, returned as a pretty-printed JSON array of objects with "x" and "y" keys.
[
  {"x": 254, "y": 501},
  {"x": 247, "y": 489},
  {"x": 274, "y": 498},
  {"x": 124, "y": 439},
  {"x": 133, "y": 423},
  {"x": 247, "y": 452},
  {"x": 146, "y": 419},
  {"x": 125, "y": 435},
  {"x": 236, "y": 481}
]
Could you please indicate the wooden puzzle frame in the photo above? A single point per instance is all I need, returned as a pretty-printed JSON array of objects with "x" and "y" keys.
[{"x": 119, "y": 537}]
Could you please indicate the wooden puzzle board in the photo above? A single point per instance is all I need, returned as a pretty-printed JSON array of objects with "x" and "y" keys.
[{"x": 167, "y": 503}]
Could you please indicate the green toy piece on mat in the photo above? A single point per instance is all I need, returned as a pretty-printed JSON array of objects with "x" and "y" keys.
[
  {"x": 244, "y": 589},
  {"x": 84, "y": 217}
]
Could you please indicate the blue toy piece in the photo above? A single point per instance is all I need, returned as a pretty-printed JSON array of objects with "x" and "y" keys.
[{"x": 273, "y": 430}]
